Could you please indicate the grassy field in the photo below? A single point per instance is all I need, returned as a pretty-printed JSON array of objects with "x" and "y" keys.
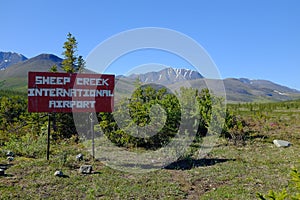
[
  {"x": 17, "y": 84},
  {"x": 232, "y": 170}
]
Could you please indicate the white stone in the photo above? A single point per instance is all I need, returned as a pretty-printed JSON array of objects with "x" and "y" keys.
[
  {"x": 281, "y": 143},
  {"x": 86, "y": 169},
  {"x": 79, "y": 157},
  {"x": 10, "y": 158},
  {"x": 10, "y": 153},
  {"x": 58, "y": 173}
]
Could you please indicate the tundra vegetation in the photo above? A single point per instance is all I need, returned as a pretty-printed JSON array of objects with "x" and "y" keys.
[{"x": 244, "y": 164}]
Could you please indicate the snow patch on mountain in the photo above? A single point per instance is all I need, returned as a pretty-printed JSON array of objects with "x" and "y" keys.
[{"x": 167, "y": 76}]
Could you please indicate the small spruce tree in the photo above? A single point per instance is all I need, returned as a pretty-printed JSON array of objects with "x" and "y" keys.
[
  {"x": 70, "y": 58},
  {"x": 53, "y": 68}
]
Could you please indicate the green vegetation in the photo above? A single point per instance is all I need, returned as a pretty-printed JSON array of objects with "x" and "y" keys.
[
  {"x": 140, "y": 107},
  {"x": 243, "y": 165},
  {"x": 17, "y": 84},
  {"x": 72, "y": 63},
  {"x": 294, "y": 189}
]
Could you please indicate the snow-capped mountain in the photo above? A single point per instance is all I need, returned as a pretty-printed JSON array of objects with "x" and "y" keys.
[
  {"x": 167, "y": 76},
  {"x": 10, "y": 58},
  {"x": 237, "y": 90}
]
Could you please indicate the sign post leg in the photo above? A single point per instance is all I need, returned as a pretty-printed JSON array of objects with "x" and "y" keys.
[
  {"x": 93, "y": 135},
  {"x": 48, "y": 136}
]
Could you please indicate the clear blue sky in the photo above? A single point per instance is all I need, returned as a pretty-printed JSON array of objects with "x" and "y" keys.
[{"x": 256, "y": 39}]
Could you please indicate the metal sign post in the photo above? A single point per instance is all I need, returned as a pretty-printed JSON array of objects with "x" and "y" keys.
[
  {"x": 48, "y": 136},
  {"x": 93, "y": 134}
]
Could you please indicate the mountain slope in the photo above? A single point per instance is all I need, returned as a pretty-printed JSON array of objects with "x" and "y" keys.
[
  {"x": 10, "y": 58},
  {"x": 42, "y": 62},
  {"x": 15, "y": 76},
  {"x": 237, "y": 90},
  {"x": 257, "y": 90}
]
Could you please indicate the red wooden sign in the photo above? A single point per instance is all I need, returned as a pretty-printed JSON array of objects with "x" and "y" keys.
[{"x": 65, "y": 92}]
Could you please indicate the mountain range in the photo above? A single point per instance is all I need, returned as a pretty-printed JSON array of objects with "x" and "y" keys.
[
  {"x": 236, "y": 89},
  {"x": 167, "y": 76},
  {"x": 15, "y": 67}
]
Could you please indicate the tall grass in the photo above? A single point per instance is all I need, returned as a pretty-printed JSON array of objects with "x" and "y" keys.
[{"x": 28, "y": 145}]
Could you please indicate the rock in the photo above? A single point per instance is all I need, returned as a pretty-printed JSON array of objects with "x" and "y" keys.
[
  {"x": 10, "y": 154},
  {"x": 86, "y": 169},
  {"x": 281, "y": 143},
  {"x": 79, "y": 157},
  {"x": 58, "y": 173},
  {"x": 2, "y": 172},
  {"x": 10, "y": 158}
]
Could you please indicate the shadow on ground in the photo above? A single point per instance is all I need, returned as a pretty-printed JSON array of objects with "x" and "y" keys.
[
  {"x": 187, "y": 164},
  {"x": 5, "y": 166}
]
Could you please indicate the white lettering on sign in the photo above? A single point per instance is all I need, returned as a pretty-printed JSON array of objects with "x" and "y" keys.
[
  {"x": 70, "y": 92},
  {"x": 52, "y": 80},
  {"x": 72, "y": 104},
  {"x": 92, "y": 81},
  {"x": 61, "y": 92}
]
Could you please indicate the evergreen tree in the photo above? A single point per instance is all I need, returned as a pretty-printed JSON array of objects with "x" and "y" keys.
[
  {"x": 64, "y": 123},
  {"x": 70, "y": 61},
  {"x": 80, "y": 64}
]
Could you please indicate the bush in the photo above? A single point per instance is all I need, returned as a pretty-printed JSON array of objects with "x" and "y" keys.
[
  {"x": 135, "y": 114},
  {"x": 194, "y": 108},
  {"x": 292, "y": 192},
  {"x": 235, "y": 129}
]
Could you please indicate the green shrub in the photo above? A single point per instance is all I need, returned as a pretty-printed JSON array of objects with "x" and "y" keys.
[
  {"x": 292, "y": 192},
  {"x": 136, "y": 110},
  {"x": 191, "y": 106},
  {"x": 235, "y": 129}
]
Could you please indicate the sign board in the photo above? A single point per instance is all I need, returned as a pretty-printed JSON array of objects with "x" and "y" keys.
[{"x": 66, "y": 92}]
